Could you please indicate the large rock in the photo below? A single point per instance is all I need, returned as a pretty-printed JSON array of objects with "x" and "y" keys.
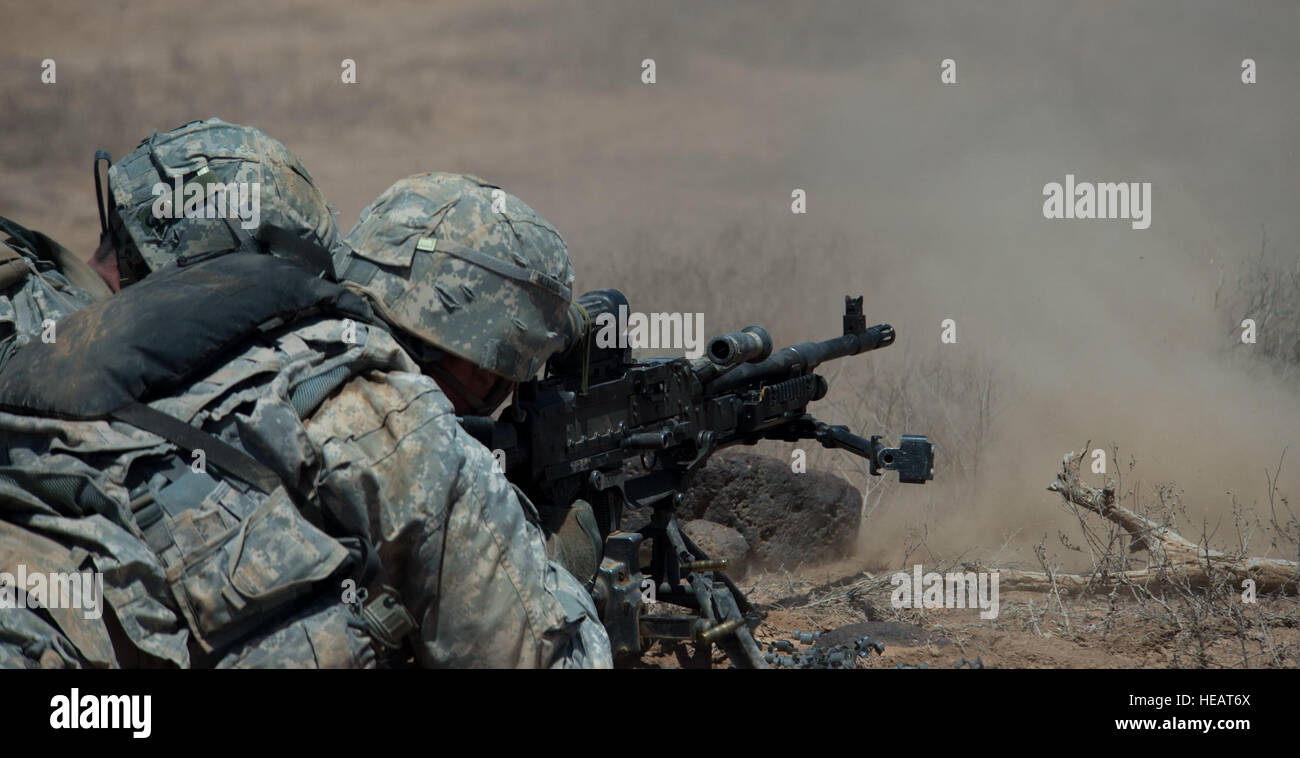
[
  {"x": 718, "y": 541},
  {"x": 786, "y": 518}
]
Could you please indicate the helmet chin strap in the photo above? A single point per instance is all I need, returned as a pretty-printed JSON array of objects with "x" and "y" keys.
[{"x": 102, "y": 203}]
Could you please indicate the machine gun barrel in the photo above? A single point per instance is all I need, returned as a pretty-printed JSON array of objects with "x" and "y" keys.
[
  {"x": 800, "y": 359},
  {"x": 750, "y": 344}
]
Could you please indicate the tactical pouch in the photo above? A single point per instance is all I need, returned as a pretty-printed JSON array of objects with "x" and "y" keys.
[
  {"x": 146, "y": 342},
  {"x": 272, "y": 558}
]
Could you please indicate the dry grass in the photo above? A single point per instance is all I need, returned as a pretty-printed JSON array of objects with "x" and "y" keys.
[{"x": 1267, "y": 290}]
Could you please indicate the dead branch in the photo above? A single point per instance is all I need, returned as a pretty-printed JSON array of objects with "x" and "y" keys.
[{"x": 1175, "y": 558}]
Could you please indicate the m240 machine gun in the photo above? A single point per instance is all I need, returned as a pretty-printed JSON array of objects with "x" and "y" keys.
[{"x": 578, "y": 433}]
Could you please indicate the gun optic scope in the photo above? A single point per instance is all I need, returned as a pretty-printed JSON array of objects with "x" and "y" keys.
[{"x": 581, "y": 321}]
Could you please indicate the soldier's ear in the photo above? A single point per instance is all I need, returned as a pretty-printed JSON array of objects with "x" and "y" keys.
[{"x": 104, "y": 262}]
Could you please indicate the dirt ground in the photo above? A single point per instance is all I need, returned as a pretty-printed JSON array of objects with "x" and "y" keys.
[{"x": 1032, "y": 630}]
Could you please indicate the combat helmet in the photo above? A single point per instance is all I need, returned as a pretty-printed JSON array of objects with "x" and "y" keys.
[
  {"x": 459, "y": 264},
  {"x": 238, "y": 188}
]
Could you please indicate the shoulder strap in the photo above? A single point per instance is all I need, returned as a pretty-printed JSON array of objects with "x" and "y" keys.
[{"x": 224, "y": 456}]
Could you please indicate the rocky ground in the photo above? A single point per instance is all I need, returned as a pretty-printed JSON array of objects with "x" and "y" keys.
[{"x": 790, "y": 540}]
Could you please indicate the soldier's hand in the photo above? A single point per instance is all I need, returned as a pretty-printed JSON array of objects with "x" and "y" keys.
[{"x": 573, "y": 540}]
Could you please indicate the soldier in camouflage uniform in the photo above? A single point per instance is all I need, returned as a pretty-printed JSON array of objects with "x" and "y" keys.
[
  {"x": 257, "y": 466},
  {"x": 41, "y": 281},
  {"x": 439, "y": 255}
]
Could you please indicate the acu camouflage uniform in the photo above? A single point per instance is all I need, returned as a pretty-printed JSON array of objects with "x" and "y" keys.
[
  {"x": 199, "y": 567},
  {"x": 457, "y": 265},
  {"x": 37, "y": 278}
]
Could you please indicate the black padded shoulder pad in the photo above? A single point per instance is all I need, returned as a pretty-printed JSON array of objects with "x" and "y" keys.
[{"x": 153, "y": 336}]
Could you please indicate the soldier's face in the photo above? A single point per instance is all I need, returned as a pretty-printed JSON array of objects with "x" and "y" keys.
[{"x": 484, "y": 385}]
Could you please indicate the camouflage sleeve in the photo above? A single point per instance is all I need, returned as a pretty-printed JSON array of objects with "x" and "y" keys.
[
  {"x": 27, "y": 305},
  {"x": 466, "y": 552}
]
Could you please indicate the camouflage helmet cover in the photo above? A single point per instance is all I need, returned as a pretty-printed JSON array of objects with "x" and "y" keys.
[
  {"x": 220, "y": 156},
  {"x": 465, "y": 267}
]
